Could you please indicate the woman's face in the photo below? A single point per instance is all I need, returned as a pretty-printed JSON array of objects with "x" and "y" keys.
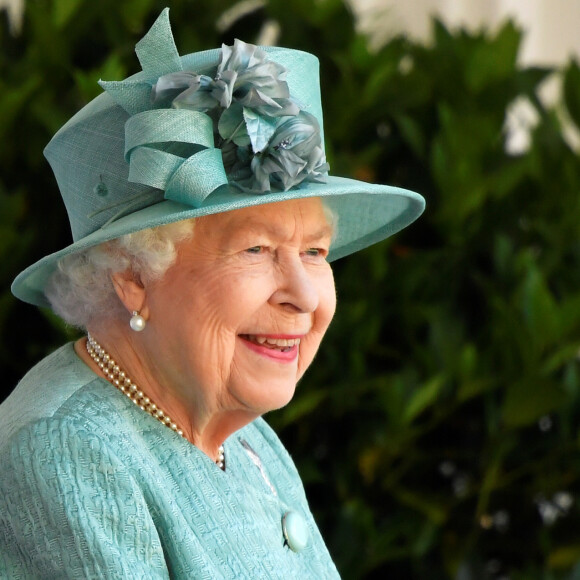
[{"x": 238, "y": 318}]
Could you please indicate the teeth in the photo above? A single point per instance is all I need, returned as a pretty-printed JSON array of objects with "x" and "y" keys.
[{"x": 275, "y": 342}]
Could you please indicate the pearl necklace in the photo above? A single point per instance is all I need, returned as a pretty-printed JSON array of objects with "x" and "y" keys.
[{"x": 119, "y": 379}]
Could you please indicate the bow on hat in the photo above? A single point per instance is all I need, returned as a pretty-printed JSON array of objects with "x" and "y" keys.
[{"x": 190, "y": 133}]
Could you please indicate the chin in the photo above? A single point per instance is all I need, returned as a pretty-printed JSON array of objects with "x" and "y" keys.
[{"x": 269, "y": 398}]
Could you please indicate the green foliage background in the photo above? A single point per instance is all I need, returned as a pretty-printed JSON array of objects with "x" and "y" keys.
[{"x": 437, "y": 432}]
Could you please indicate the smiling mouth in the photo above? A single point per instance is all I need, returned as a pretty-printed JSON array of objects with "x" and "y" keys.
[{"x": 280, "y": 344}]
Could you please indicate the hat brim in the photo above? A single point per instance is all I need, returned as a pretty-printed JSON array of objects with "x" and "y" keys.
[{"x": 367, "y": 213}]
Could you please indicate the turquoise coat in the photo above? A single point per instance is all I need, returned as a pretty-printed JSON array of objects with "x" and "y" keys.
[{"x": 93, "y": 487}]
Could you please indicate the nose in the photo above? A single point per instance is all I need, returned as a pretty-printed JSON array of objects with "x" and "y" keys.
[{"x": 295, "y": 288}]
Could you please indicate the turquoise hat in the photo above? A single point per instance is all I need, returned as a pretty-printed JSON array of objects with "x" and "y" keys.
[{"x": 205, "y": 133}]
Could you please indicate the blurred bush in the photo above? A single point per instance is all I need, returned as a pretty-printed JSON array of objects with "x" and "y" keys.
[{"x": 437, "y": 431}]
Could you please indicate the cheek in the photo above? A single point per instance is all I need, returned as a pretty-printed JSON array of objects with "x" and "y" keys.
[
  {"x": 220, "y": 308},
  {"x": 211, "y": 299},
  {"x": 327, "y": 304},
  {"x": 197, "y": 317},
  {"x": 322, "y": 319},
  {"x": 308, "y": 349},
  {"x": 243, "y": 300}
]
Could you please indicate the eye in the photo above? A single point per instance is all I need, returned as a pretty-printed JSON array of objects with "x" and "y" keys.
[
  {"x": 255, "y": 250},
  {"x": 316, "y": 252}
]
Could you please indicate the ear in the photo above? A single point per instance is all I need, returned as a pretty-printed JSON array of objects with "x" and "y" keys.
[{"x": 131, "y": 291}]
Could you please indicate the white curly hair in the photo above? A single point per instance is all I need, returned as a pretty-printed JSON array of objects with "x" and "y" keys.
[{"x": 81, "y": 291}]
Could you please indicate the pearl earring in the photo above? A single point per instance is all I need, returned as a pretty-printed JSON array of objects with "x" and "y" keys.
[{"x": 137, "y": 322}]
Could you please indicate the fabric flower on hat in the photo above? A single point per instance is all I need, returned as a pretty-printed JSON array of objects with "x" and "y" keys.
[
  {"x": 244, "y": 79},
  {"x": 265, "y": 139},
  {"x": 194, "y": 90},
  {"x": 293, "y": 155}
]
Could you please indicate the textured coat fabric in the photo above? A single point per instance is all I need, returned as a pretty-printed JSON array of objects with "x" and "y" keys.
[{"x": 93, "y": 487}]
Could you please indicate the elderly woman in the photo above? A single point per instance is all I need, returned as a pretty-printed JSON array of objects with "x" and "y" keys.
[{"x": 204, "y": 222}]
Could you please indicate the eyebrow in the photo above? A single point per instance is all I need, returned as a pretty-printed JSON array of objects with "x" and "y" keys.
[{"x": 325, "y": 231}]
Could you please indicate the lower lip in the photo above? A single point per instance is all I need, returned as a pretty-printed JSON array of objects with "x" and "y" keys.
[{"x": 286, "y": 356}]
